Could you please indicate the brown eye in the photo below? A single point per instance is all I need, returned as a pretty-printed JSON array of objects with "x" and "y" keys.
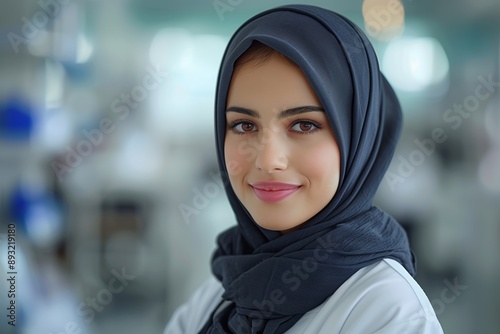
[
  {"x": 304, "y": 127},
  {"x": 243, "y": 127},
  {"x": 247, "y": 127}
]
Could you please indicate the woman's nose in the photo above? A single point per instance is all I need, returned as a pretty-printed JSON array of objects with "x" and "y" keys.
[{"x": 271, "y": 152}]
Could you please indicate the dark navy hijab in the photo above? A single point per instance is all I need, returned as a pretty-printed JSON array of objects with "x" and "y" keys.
[{"x": 271, "y": 279}]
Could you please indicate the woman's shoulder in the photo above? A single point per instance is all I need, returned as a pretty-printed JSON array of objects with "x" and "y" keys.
[
  {"x": 191, "y": 316},
  {"x": 380, "y": 298}
]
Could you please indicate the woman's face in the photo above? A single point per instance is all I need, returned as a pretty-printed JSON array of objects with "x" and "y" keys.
[{"x": 280, "y": 150}]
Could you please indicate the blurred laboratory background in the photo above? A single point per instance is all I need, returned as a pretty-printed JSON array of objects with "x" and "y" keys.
[{"x": 107, "y": 162}]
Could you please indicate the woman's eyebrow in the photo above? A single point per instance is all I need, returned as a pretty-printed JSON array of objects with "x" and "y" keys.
[
  {"x": 299, "y": 110},
  {"x": 281, "y": 115},
  {"x": 245, "y": 111}
]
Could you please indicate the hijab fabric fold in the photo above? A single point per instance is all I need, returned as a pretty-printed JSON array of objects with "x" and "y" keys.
[{"x": 271, "y": 279}]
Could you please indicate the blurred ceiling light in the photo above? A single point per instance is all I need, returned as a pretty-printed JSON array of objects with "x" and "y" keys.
[
  {"x": 84, "y": 49},
  {"x": 384, "y": 19},
  {"x": 415, "y": 64},
  {"x": 186, "y": 97},
  {"x": 171, "y": 48}
]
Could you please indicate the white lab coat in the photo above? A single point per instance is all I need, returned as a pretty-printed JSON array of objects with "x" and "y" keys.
[{"x": 381, "y": 298}]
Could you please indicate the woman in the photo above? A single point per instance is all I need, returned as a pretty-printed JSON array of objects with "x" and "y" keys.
[{"x": 306, "y": 126}]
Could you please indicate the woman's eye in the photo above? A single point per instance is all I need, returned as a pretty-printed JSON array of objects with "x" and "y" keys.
[
  {"x": 242, "y": 127},
  {"x": 304, "y": 127}
]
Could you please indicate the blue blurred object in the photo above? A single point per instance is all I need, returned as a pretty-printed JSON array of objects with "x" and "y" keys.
[
  {"x": 38, "y": 213},
  {"x": 16, "y": 119},
  {"x": 78, "y": 72}
]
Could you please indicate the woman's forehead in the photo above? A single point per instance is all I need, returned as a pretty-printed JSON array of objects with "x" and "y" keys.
[{"x": 278, "y": 84}]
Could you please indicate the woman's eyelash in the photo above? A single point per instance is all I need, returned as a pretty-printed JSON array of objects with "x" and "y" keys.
[
  {"x": 306, "y": 121},
  {"x": 234, "y": 124}
]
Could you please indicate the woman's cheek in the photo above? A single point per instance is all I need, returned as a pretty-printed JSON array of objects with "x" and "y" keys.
[
  {"x": 234, "y": 160},
  {"x": 233, "y": 167},
  {"x": 323, "y": 163}
]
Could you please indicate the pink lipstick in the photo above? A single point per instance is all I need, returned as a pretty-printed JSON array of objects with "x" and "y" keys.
[{"x": 273, "y": 192}]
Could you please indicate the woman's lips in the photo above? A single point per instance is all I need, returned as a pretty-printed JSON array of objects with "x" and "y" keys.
[{"x": 273, "y": 192}]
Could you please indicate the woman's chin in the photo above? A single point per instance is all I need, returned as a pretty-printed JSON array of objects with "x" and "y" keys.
[{"x": 278, "y": 225}]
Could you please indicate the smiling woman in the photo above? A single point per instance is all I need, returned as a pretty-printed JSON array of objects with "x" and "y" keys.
[
  {"x": 283, "y": 153},
  {"x": 306, "y": 126}
]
